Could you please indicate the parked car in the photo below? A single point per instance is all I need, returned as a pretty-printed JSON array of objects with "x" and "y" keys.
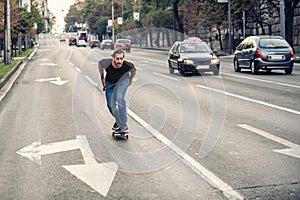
[
  {"x": 107, "y": 44},
  {"x": 124, "y": 44},
  {"x": 81, "y": 43},
  {"x": 192, "y": 57},
  {"x": 95, "y": 43},
  {"x": 264, "y": 52},
  {"x": 72, "y": 41}
]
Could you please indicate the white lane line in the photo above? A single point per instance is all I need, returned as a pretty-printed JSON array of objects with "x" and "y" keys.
[
  {"x": 251, "y": 100},
  {"x": 157, "y": 61},
  {"x": 90, "y": 80},
  {"x": 268, "y": 135},
  {"x": 265, "y": 81},
  {"x": 197, "y": 167},
  {"x": 293, "y": 150},
  {"x": 78, "y": 69},
  {"x": 138, "y": 68},
  {"x": 165, "y": 76},
  {"x": 71, "y": 63}
]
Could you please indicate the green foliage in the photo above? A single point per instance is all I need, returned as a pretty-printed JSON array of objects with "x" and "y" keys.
[
  {"x": 38, "y": 19},
  {"x": 4, "y": 69},
  {"x": 21, "y": 20}
]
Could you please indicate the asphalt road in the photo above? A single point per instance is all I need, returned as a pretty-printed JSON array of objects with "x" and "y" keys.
[{"x": 233, "y": 136}]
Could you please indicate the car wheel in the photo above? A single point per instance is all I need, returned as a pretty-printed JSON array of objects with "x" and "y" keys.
[
  {"x": 182, "y": 72},
  {"x": 171, "y": 69},
  {"x": 289, "y": 70},
  {"x": 236, "y": 65},
  {"x": 216, "y": 71},
  {"x": 253, "y": 68}
]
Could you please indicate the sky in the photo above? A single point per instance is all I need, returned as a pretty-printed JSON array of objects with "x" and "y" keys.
[{"x": 59, "y": 8}]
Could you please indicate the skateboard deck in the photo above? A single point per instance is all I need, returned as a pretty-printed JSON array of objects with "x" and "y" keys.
[{"x": 123, "y": 135}]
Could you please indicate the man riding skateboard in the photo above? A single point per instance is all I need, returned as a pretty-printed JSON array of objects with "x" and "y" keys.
[{"x": 119, "y": 75}]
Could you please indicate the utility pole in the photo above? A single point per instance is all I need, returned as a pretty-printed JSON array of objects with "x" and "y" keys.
[
  {"x": 7, "y": 36},
  {"x": 282, "y": 19},
  {"x": 229, "y": 22},
  {"x": 229, "y": 26},
  {"x": 112, "y": 17}
]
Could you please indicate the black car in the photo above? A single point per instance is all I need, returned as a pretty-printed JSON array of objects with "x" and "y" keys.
[
  {"x": 264, "y": 52},
  {"x": 192, "y": 57},
  {"x": 72, "y": 41}
]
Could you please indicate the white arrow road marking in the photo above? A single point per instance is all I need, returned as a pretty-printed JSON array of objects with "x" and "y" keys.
[
  {"x": 36, "y": 150},
  {"x": 50, "y": 64},
  {"x": 56, "y": 81},
  {"x": 98, "y": 176},
  {"x": 45, "y": 79},
  {"x": 293, "y": 150}
]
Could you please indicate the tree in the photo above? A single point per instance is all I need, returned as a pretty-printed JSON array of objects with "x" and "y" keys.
[
  {"x": 263, "y": 10},
  {"x": 38, "y": 18},
  {"x": 289, "y": 11}
]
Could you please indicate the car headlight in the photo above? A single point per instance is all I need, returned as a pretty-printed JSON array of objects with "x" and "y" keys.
[
  {"x": 215, "y": 61},
  {"x": 188, "y": 62}
]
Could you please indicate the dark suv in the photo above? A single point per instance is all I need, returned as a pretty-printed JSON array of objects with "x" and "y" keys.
[{"x": 264, "y": 52}]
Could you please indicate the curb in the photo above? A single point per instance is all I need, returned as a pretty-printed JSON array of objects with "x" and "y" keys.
[
  {"x": 17, "y": 69},
  {"x": 10, "y": 74}
]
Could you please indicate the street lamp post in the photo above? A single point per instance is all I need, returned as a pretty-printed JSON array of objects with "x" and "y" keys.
[
  {"x": 282, "y": 16},
  {"x": 7, "y": 37},
  {"x": 229, "y": 22},
  {"x": 112, "y": 16},
  {"x": 122, "y": 17},
  {"x": 229, "y": 26},
  {"x": 173, "y": 16}
]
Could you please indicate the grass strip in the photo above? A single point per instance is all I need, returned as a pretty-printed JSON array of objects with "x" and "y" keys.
[{"x": 4, "y": 69}]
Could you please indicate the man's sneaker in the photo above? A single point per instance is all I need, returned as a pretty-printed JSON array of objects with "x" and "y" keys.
[
  {"x": 115, "y": 127},
  {"x": 122, "y": 130}
]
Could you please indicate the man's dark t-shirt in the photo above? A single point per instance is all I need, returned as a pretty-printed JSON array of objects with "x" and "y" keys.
[{"x": 113, "y": 75}]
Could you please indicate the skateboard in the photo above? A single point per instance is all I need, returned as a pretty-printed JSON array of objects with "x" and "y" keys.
[{"x": 123, "y": 135}]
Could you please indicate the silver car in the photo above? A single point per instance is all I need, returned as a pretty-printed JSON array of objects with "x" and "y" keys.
[{"x": 264, "y": 52}]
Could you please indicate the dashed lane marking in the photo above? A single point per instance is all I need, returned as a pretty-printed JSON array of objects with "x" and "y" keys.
[
  {"x": 265, "y": 81},
  {"x": 165, "y": 76},
  {"x": 251, "y": 100}
]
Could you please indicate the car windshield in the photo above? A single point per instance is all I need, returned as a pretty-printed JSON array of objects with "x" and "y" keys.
[
  {"x": 273, "y": 43},
  {"x": 194, "y": 48}
]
